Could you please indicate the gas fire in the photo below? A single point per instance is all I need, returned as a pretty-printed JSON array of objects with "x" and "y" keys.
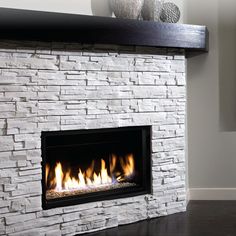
[{"x": 119, "y": 170}]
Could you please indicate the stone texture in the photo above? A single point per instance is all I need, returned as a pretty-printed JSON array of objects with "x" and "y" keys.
[{"x": 47, "y": 87}]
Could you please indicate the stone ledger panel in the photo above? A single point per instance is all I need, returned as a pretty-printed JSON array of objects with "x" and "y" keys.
[{"x": 48, "y": 87}]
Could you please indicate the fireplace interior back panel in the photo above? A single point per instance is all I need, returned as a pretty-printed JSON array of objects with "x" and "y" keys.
[{"x": 95, "y": 165}]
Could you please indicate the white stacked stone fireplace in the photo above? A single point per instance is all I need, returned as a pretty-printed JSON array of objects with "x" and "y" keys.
[{"x": 58, "y": 86}]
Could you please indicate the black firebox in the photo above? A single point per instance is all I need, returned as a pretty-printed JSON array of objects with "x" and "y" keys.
[{"x": 83, "y": 166}]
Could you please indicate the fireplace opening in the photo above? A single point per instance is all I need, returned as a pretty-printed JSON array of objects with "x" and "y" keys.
[{"x": 93, "y": 165}]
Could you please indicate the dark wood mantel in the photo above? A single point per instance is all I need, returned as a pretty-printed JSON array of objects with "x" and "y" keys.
[{"x": 47, "y": 26}]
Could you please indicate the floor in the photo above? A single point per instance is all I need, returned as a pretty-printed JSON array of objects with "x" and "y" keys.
[{"x": 203, "y": 218}]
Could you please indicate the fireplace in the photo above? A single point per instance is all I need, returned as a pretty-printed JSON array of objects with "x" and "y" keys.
[
  {"x": 55, "y": 101},
  {"x": 92, "y": 165}
]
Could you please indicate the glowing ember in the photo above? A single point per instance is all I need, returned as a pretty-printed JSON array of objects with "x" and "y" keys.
[{"x": 118, "y": 171}]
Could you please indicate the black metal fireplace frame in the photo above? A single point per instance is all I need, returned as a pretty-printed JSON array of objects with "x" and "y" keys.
[{"x": 105, "y": 195}]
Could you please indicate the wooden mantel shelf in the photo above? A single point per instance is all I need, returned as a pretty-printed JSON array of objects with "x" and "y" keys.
[{"x": 47, "y": 26}]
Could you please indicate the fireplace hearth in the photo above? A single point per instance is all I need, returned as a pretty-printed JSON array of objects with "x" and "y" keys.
[{"x": 90, "y": 165}]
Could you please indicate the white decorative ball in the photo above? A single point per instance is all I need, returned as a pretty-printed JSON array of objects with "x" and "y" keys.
[{"x": 170, "y": 13}]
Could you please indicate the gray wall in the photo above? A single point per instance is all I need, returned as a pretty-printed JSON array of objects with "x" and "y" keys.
[
  {"x": 70, "y": 6},
  {"x": 86, "y": 7},
  {"x": 212, "y": 102},
  {"x": 227, "y": 66}
]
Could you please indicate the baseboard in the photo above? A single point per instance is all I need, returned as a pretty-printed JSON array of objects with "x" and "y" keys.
[{"x": 211, "y": 194}]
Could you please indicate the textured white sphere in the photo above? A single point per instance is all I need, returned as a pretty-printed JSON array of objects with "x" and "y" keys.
[{"x": 170, "y": 13}]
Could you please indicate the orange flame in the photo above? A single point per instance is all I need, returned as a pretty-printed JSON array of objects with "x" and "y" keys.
[
  {"x": 59, "y": 176},
  {"x": 47, "y": 172},
  {"x": 112, "y": 163},
  {"x": 128, "y": 165},
  {"x": 64, "y": 181}
]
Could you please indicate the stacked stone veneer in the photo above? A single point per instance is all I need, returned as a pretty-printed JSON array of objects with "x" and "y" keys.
[{"x": 70, "y": 87}]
